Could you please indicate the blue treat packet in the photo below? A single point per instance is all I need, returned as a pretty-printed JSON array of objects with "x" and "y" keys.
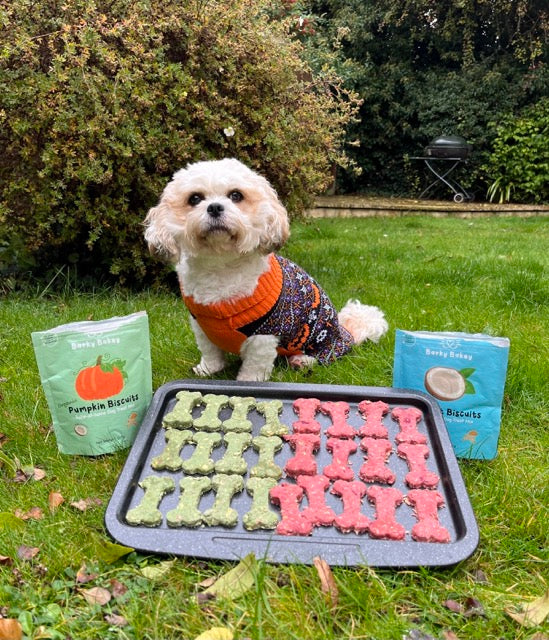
[{"x": 466, "y": 374}]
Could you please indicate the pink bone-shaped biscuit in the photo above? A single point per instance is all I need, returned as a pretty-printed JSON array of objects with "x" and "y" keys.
[
  {"x": 426, "y": 505},
  {"x": 338, "y": 412},
  {"x": 419, "y": 476},
  {"x": 306, "y": 409},
  {"x": 386, "y": 500},
  {"x": 351, "y": 495},
  {"x": 318, "y": 512},
  {"x": 408, "y": 419},
  {"x": 339, "y": 468},
  {"x": 375, "y": 468},
  {"x": 303, "y": 462},
  {"x": 373, "y": 413},
  {"x": 292, "y": 522}
]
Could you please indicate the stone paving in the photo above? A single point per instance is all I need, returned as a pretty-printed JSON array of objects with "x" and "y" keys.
[{"x": 347, "y": 206}]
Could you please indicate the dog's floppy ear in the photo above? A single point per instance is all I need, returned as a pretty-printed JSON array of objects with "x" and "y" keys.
[
  {"x": 158, "y": 235},
  {"x": 277, "y": 227}
]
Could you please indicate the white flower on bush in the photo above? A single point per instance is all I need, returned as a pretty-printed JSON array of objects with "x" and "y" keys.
[{"x": 229, "y": 132}]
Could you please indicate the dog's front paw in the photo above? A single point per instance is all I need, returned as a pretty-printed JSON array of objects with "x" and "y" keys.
[
  {"x": 302, "y": 362},
  {"x": 204, "y": 368}
]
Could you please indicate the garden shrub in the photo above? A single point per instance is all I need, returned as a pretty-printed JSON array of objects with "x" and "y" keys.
[
  {"x": 519, "y": 161},
  {"x": 100, "y": 102}
]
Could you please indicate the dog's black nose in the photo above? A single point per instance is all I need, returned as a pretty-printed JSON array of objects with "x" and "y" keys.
[{"x": 215, "y": 209}]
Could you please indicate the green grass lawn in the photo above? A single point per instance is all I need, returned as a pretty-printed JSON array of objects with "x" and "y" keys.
[{"x": 486, "y": 275}]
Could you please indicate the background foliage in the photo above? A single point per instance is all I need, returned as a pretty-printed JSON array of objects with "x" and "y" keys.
[
  {"x": 424, "y": 69},
  {"x": 100, "y": 102}
]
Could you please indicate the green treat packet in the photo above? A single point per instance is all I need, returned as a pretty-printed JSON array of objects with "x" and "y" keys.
[{"x": 97, "y": 380}]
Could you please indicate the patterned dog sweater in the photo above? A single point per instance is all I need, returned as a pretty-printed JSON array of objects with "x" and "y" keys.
[{"x": 286, "y": 303}]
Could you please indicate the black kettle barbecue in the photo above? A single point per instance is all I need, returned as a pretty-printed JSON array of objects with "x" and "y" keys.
[{"x": 441, "y": 156}]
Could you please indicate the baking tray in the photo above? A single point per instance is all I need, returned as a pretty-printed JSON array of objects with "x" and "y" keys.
[{"x": 346, "y": 549}]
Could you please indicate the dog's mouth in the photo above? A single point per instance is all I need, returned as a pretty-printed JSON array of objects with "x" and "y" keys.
[{"x": 217, "y": 229}]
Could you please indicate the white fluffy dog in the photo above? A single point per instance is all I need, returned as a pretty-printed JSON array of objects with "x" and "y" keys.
[{"x": 219, "y": 223}]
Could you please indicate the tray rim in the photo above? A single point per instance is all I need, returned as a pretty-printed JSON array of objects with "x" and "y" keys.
[{"x": 145, "y": 539}]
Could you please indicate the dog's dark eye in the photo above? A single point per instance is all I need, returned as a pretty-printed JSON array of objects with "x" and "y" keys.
[
  {"x": 236, "y": 196},
  {"x": 195, "y": 198}
]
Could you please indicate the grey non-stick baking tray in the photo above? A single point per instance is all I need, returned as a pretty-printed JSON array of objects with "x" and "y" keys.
[{"x": 347, "y": 549}]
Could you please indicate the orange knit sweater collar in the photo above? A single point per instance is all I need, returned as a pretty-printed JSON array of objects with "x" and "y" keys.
[{"x": 220, "y": 320}]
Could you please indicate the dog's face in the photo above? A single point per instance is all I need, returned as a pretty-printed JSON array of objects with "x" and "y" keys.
[{"x": 214, "y": 208}]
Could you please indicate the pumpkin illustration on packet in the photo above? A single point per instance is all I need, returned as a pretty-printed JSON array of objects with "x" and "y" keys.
[{"x": 102, "y": 380}]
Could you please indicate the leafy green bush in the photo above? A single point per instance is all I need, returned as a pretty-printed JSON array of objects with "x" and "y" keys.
[
  {"x": 100, "y": 102},
  {"x": 519, "y": 161}
]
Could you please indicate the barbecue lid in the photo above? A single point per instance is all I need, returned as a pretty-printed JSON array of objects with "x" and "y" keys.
[{"x": 453, "y": 142}]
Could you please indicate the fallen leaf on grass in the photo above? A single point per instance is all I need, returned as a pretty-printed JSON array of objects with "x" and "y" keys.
[
  {"x": 55, "y": 499},
  {"x": 118, "y": 589},
  {"x": 96, "y": 595},
  {"x": 34, "y": 513},
  {"x": 327, "y": 581},
  {"x": 10, "y": 629},
  {"x": 27, "y": 553},
  {"x": 234, "y": 583},
  {"x": 470, "y": 609},
  {"x": 116, "y": 620},
  {"x": 82, "y": 575},
  {"x": 6, "y": 561},
  {"x": 157, "y": 571},
  {"x": 533, "y": 613},
  {"x": 216, "y": 633},
  {"x": 110, "y": 552},
  {"x": 86, "y": 503}
]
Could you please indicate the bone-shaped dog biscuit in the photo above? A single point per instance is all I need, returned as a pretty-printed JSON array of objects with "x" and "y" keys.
[
  {"x": 239, "y": 421},
  {"x": 339, "y": 468},
  {"x": 386, "y": 500},
  {"x": 209, "y": 418},
  {"x": 352, "y": 519},
  {"x": 200, "y": 461},
  {"x": 170, "y": 459},
  {"x": 306, "y": 410},
  {"x": 147, "y": 512},
  {"x": 233, "y": 460},
  {"x": 375, "y": 468},
  {"x": 266, "y": 467},
  {"x": 180, "y": 417},
  {"x": 271, "y": 410},
  {"x": 373, "y": 413},
  {"x": 222, "y": 514},
  {"x": 338, "y": 412},
  {"x": 260, "y": 516},
  {"x": 419, "y": 476},
  {"x": 187, "y": 514},
  {"x": 408, "y": 419},
  {"x": 426, "y": 504},
  {"x": 303, "y": 462}
]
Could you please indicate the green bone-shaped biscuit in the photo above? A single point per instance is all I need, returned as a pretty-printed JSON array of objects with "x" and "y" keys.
[
  {"x": 180, "y": 417},
  {"x": 239, "y": 420},
  {"x": 147, "y": 511},
  {"x": 266, "y": 467},
  {"x": 186, "y": 514},
  {"x": 221, "y": 513},
  {"x": 200, "y": 461},
  {"x": 233, "y": 461},
  {"x": 170, "y": 459},
  {"x": 271, "y": 410},
  {"x": 260, "y": 515},
  {"x": 209, "y": 419}
]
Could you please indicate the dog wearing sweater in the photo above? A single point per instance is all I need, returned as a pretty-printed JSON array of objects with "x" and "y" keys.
[{"x": 220, "y": 224}]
